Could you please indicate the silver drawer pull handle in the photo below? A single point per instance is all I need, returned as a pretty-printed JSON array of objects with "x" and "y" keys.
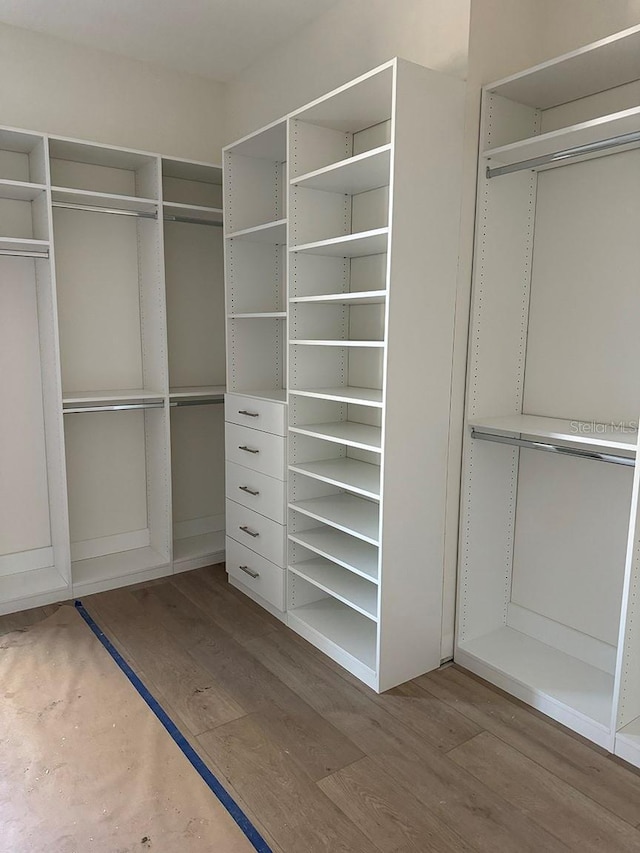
[
  {"x": 249, "y": 491},
  {"x": 245, "y": 529},
  {"x": 249, "y": 572},
  {"x": 247, "y": 449},
  {"x": 249, "y": 414}
]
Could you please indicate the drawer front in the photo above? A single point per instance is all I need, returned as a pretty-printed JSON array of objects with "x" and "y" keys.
[
  {"x": 261, "y": 534},
  {"x": 256, "y": 491},
  {"x": 257, "y": 450},
  {"x": 261, "y": 576},
  {"x": 253, "y": 412}
]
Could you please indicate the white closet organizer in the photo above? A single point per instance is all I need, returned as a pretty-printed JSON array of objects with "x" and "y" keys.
[
  {"x": 549, "y": 568},
  {"x": 34, "y": 549},
  {"x": 193, "y": 263},
  {"x": 255, "y": 185}
]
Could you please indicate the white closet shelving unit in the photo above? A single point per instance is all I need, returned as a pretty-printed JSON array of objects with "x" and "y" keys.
[
  {"x": 548, "y": 575},
  {"x": 255, "y": 186},
  {"x": 374, "y": 195},
  {"x": 194, "y": 280},
  {"x": 34, "y": 548},
  {"x": 97, "y": 245}
]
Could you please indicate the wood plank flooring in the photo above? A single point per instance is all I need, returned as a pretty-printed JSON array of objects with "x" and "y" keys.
[{"x": 445, "y": 763}]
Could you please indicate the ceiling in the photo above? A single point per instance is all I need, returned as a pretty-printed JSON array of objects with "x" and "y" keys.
[{"x": 214, "y": 38}]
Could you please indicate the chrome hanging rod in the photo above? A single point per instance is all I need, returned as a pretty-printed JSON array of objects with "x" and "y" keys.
[
  {"x": 19, "y": 253},
  {"x": 567, "y": 154},
  {"x": 555, "y": 448},
  {"x": 119, "y": 407},
  {"x": 191, "y": 220},
  {"x": 202, "y": 401},
  {"x": 116, "y": 211}
]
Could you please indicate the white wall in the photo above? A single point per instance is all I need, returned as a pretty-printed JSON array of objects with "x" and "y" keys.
[
  {"x": 48, "y": 84},
  {"x": 351, "y": 38}
]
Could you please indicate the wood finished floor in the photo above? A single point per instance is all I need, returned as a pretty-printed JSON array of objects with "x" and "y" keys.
[{"x": 321, "y": 763}]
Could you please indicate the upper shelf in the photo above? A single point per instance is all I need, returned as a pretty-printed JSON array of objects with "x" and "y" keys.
[
  {"x": 269, "y": 232},
  {"x": 567, "y": 138},
  {"x": 114, "y": 201},
  {"x": 195, "y": 391},
  {"x": 362, "y": 297},
  {"x": 192, "y": 211},
  {"x": 594, "y": 435},
  {"x": 23, "y": 244},
  {"x": 20, "y": 190},
  {"x": 117, "y": 396},
  {"x": 357, "y": 174},
  {"x": 358, "y": 245}
]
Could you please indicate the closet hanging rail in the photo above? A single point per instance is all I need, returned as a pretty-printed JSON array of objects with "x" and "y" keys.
[
  {"x": 119, "y": 407},
  {"x": 19, "y": 253},
  {"x": 567, "y": 154},
  {"x": 192, "y": 220},
  {"x": 116, "y": 211},
  {"x": 594, "y": 455},
  {"x": 203, "y": 401}
]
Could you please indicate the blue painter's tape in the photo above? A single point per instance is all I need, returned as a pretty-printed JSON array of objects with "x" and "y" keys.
[{"x": 209, "y": 778}]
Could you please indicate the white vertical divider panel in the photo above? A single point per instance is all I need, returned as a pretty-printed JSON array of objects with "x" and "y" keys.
[{"x": 426, "y": 131}]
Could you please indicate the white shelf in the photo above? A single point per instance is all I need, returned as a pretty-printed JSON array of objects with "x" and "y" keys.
[
  {"x": 68, "y": 195},
  {"x": 276, "y": 395},
  {"x": 358, "y": 594},
  {"x": 259, "y": 315},
  {"x": 343, "y": 394},
  {"x": 584, "y": 133},
  {"x": 192, "y": 211},
  {"x": 118, "y": 396},
  {"x": 339, "y": 624},
  {"x": 363, "y": 297},
  {"x": 30, "y": 584},
  {"x": 203, "y": 545},
  {"x": 347, "y": 343},
  {"x": 270, "y": 232},
  {"x": 112, "y": 566},
  {"x": 195, "y": 391},
  {"x": 356, "y": 516},
  {"x": 23, "y": 244},
  {"x": 349, "y": 433},
  {"x": 352, "y": 554},
  {"x": 547, "y": 673},
  {"x": 357, "y": 174},
  {"x": 592, "y": 435},
  {"x": 627, "y": 744},
  {"x": 358, "y": 245},
  {"x": 20, "y": 190},
  {"x": 362, "y": 478}
]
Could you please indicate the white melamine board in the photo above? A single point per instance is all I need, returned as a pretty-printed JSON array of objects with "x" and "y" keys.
[
  {"x": 255, "y": 277},
  {"x": 314, "y": 275},
  {"x": 348, "y": 513},
  {"x": 604, "y": 64},
  {"x": 256, "y": 315},
  {"x": 358, "y": 594},
  {"x": 313, "y": 148},
  {"x": 270, "y": 232},
  {"x": 194, "y": 391},
  {"x": 627, "y": 743},
  {"x": 370, "y": 210},
  {"x": 191, "y": 170},
  {"x": 152, "y": 296},
  {"x": 367, "y": 297},
  {"x": 107, "y": 156},
  {"x": 116, "y": 396},
  {"x": 599, "y": 436},
  {"x": 24, "y": 497},
  {"x": 585, "y": 133},
  {"x": 195, "y": 304},
  {"x": 270, "y": 143},
  {"x": 344, "y": 394},
  {"x": 600, "y": 104},
  {"x": 158, "y": 470},
  {"x": 345, "y": 343},
  {"x": 99, "y": 302},
  {"x": 582, "y": 341},
  {"x": 277, "y": 395},
  {"x": 341, "y": 625},
  {"x": 570, "y": 541},
  {"x": 360, "y": 104},
  {"x": 373, "y": 242},
  {"x": 193, "y": 547},
  {"x": 357, "y": 174},
  {"x": 104, "y": 199},
  {"x": 23, "y": 244},
  {"x": 194, "y": 211},
  {"x": 341, "y": 548},
  {"x": 349, "y": 433},
  {"x": 114, "y": 570},
  {"x": 18, "y": 141},
  {"x": 546, "y": 673},
  {"x": 71, "y": 176},
  {"x": 255, "y": 355},
  {"x": 351, "y": 474},
  {"x": 31, "y": 589},
  {"x": 317, "y": 215},
  {"x": 20, "y": 190},
  {"x": 106, "y": 474},
  {"x": 254, "y": 192}
]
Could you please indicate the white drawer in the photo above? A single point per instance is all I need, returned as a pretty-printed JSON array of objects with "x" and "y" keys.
[
  {"x": 256, "y": 413},
  {"x": 256, "y": 573},
  {"x": 264, "y": 494},
  {"x": 257, "y": 450},
  {"x": 261, "y": 534}
]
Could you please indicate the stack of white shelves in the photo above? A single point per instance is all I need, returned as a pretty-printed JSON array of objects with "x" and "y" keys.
[{"x": 549, "y": 558}]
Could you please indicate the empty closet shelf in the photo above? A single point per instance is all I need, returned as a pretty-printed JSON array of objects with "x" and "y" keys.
[
  {"x": 270, "y": 232},
  {"x": 133, "y": 204},
  {"x": 202, "y": 545},
  {"x": 340, "y": 626},
  {"x": 373, "y": 242},
  {"x": 24, "y": 246},
  {"x": 349, "y": 433},
  {"x": 343, "y": 394},
  {"x": 194, "y": 391},
  {"x": 359, "y": 477},
  {"x": 329, "y": 343},
  {"x": 352, "y": 554},
  {"x": 20, "y": 190},
  {"x": 89, "y": 574},
  {"x": 356, "y": 516},
  {"x": 117, "y": 396},
  {"x": 363, "y": 297},
  {"x": 259, "y": 315},
  {"x": 191, "y": 212},
  {"x": 357, "y": 174},
  {"x": 359, "y": 594}
]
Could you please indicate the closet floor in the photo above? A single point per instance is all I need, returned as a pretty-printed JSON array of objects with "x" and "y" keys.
[{"x": 321, "y": 763}]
